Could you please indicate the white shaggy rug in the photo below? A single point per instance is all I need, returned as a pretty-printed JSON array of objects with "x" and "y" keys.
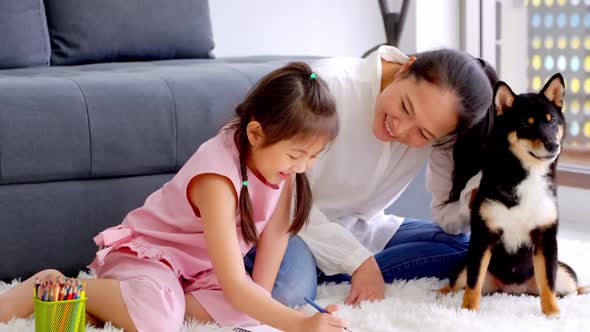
[{"x": 414, "y": 306}]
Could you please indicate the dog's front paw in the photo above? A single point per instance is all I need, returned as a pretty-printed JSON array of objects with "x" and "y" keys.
[
  {"x": 471, "y": 300},
  {"x": 554, "y": 316},
  {"x": 550, "y": 309},
  {"x": 549, "y": 304}
]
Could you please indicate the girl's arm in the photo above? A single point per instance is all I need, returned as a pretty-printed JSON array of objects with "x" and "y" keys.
[
  {"x": 273, "y": 241},
  {"x": 215, "y": 197}
]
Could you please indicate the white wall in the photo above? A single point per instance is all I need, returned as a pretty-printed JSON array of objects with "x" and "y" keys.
[
  {"x": 514, "y": 41},
  {"x": 326, "y": 27},
  {"x": 303, "y": 27},
  {"x": 437, "y": 24},
  {"x": 574, "y": 209}
]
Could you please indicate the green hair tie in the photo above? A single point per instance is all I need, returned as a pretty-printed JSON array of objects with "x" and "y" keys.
[
  {"x": 313, "y": 76},
  {"x": 245, "y": 183}
]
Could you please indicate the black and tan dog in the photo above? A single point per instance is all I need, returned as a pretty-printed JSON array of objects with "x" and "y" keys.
[{"x": 514, "y": 218}]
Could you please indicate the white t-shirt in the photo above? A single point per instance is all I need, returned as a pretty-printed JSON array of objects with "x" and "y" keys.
[{"x": 359, "y": 176}]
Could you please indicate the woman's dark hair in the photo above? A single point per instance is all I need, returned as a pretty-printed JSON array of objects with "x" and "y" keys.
[
  {"x": 472, "y": 80},
  {"x": 470, "y": 145},
  {"x": 290, "y": 102}
]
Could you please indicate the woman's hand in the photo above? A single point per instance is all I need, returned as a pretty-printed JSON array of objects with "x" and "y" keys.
[
  {"x": 367, "y": 283},
  {"x": 324, "y": 322}
]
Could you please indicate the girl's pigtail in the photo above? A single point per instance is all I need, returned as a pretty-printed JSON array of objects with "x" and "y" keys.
[
  {"x": 303, "y": 202},
  {"x": 249, "y": 231}
]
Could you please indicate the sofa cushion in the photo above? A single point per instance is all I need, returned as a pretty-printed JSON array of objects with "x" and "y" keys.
[
  {"x": 88, "y": 31},
  {"x": 114, "y": 119},
  {"x": 23, "y": 32},
  {"x": 51, "y": 225}
]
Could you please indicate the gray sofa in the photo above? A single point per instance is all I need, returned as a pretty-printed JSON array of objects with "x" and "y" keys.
[{"x": 82, "y": 145}]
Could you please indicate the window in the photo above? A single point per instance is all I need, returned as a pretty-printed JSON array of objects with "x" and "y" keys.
[{"x": 529, "y": 41}]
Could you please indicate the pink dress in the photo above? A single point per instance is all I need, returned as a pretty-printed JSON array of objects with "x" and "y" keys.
[{"x": 159, "y": 252}]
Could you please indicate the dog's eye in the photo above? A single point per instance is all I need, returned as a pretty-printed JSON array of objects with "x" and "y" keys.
[{"x": 552, "y": 122}]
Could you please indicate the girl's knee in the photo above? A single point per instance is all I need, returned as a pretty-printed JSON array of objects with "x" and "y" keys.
[
  {"x": 298, "y": 256},
  {"x": 49, "y": 274}
]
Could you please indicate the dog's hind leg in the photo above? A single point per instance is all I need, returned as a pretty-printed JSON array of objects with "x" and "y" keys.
[
  {"x": 456, "y": 283},
  {"x": 489, "y": 286},
  {"x": 566, "y": 281}
]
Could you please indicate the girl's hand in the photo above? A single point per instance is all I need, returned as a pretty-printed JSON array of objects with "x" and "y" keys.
[
  {"x": 324, "y": 322},
  {"x": 367, "y": 283}
]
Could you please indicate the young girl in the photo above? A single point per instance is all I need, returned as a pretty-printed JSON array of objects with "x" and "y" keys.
[{"x": 181, "y": 254}]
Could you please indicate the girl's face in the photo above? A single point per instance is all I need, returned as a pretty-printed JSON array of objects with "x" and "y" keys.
[
  {"x": 414, "y": 113},
  {"x": 279, "y": 161}
]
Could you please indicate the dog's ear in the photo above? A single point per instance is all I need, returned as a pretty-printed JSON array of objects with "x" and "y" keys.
[
  {"x": 503, "y": 97},
  {"x": 554, "y": 90}
]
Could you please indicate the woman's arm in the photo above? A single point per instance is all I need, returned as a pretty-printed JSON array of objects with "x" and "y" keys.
[
  {"x": 336, "y": 250},
  {"x": 273, "y": 241},
  {"x": 215, "y": 197},
  {"x": 453, "y": 217}
]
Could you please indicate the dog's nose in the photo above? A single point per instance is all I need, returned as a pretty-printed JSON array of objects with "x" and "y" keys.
[{"x": 551, "y": 146}]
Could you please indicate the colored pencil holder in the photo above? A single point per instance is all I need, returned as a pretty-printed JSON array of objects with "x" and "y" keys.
[{"x": 60, "y": 316}]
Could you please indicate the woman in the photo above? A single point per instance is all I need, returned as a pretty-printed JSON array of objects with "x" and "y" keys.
[{"x": 397, "y": 113}]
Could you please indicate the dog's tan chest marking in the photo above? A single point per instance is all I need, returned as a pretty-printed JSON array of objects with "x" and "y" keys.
[{"x": 536, "y": 208}]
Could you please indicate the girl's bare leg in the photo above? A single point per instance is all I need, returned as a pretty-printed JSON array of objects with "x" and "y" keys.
[
  {"x": 104, "y": 303},
  {"x": 18, "y": 301},
  {"x": 195, "y": 311}
]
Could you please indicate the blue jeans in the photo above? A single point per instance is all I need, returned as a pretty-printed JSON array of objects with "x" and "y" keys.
[{"x": 418, "y": 249}]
